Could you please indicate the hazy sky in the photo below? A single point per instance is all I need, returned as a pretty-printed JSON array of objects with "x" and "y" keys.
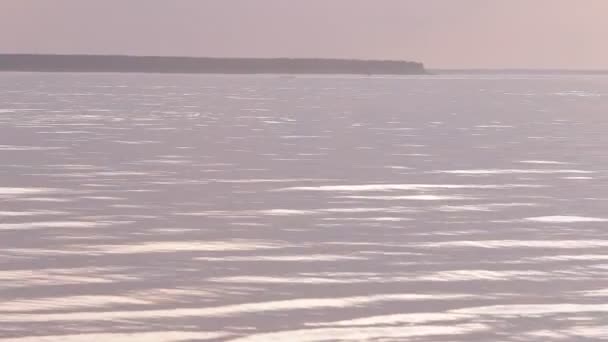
[{"x": 440, "y": 33}]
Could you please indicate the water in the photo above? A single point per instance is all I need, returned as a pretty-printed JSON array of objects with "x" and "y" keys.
[{"x": 264, "y": 208}]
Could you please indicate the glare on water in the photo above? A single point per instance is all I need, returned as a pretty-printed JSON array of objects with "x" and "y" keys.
[{"x": 257, "y": 208}]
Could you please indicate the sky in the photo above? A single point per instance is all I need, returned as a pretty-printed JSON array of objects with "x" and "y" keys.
[{"x": 440, "y": 33}]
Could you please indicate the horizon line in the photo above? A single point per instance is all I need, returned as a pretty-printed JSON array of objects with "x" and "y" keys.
[
  {"x": 206, "y": 57},
  {"x": 361, "y": 59}
]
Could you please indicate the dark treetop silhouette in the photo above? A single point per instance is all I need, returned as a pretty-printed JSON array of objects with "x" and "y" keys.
[{"x": 149, "y": 64}]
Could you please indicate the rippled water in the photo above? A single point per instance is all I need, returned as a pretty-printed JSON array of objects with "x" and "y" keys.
[{"x": 263, "y": 208}]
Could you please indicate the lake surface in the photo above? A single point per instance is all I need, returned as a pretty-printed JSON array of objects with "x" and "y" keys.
[{"x": 267, "y": 208}]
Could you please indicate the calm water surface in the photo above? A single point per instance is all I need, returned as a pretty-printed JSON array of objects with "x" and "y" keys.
[{"x": 265, "y": 208}]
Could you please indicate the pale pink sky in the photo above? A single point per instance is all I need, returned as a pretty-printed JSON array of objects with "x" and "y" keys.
[{"x": 440, "y": 33}]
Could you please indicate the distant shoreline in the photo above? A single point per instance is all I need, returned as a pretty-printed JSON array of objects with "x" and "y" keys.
[
  {"x": 516, "y": 72},
  {"x": 204, "y": 65}
]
